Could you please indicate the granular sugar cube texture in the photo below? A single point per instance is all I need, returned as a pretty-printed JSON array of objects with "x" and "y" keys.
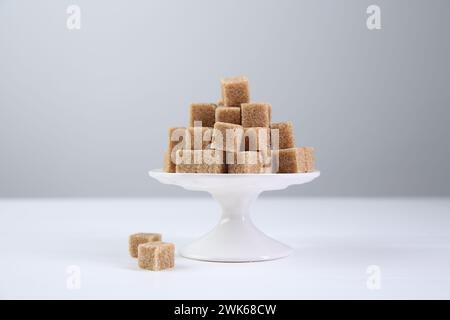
[
  {"x": 199, "y": 137},
  {"x": 200, "y": 161},
  {"x": 176, "y": 138},
  {"x": 139, "y": 238},
  {"x": 285, "y": 160},
  {"x": 228, "y": 115},
  {"x": 266, "y": 159},
  {"x": 285, "y": 134},
  {"x": 257, "y": 138},
  {"x": 294, "y": 160},
  {"x": 246, "y": 162},
  {"x": 202, "y": 114},
  {"x": 227, "y": 137},
  {"x": 257, "y": 114},
  {"x": 306, "y": 159},
  {"x": 235, "y": 91},
  {"x": 156, "y": 256}
]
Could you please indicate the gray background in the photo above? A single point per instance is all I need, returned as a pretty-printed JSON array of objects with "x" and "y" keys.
[{"x": 85, "y": 113}]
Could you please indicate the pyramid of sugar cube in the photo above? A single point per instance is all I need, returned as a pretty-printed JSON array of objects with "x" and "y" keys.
[{"x": 235, "y": 135}]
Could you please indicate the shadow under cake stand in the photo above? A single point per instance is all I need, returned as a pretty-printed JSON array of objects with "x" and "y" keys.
[{"x": 235, "y": 238}]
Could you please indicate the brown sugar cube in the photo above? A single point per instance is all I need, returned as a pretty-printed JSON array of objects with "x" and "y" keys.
[
  {"x": 200, "y": 161},
  {"x": 235, "y": 91},
  {"x": 257, "y": 139},
  {"x": 220, "y": 103},
  {"x": 285, "y": 134},
  {"x": 176, "y": 138},
  {"x": 208, "y": 156},
  {"x": 139, "y": 238},
  {"x": 266, "y": 159},
  {"x": 249, "y": 158},
  {"x": 156, "y": 256},
  {"x": 256, "y": 114},
  {"x": 195, "y": 138},
  {"x": 293, "y": 160},
  {"x": 199, "y": 138},
  {"x": 246, "y": 162},
  {"x": 270, "y": 113},
  {"x": 242, "y": 158},
  {"x": 202, "y": 115},
  {"x": 227, "y": 137},
  {"x": 274, "y": 139},
  {"x": 285, "y": 160},
  {"x": 169, "y": 165},
  {"x": 228, "y": 115},
  {"x": 306, "y": 159}
]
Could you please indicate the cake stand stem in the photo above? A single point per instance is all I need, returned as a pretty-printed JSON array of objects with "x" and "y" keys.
[
  {"x": 235, "y": 205},
  {"x": 236, "y": 238}
]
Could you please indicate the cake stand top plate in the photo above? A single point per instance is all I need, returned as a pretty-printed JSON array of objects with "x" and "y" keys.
[{"x": 217, "y": 181}]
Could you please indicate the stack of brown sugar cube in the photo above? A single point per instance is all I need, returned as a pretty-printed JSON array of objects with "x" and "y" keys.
[{"x": 235, "y": 135}]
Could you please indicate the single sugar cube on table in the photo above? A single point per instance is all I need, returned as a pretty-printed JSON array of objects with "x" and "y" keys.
[
  {"x": 156, "y": 256},
  {"x": 256, "y": 114},
  {"x": 245, "y": 162},
  {"x": 227, "y": 137},
  {"x": 293, "y": 160},
  {"x": 200, "y": 161},
  {"x": 202, "y": 114},
  {"x": 257, "y": 139},
  {"x": 139, "y": 238},
  {"x": 235, "y": 91},
  {"x": 285, "y": 133},
  {"x": 228, "y": 115}
]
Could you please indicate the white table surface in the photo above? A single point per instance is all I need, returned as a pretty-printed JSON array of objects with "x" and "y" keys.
[{"x": 335, "y": 241}]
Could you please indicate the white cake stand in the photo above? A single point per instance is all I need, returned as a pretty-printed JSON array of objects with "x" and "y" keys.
[{"x": 235, "y": 238}]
